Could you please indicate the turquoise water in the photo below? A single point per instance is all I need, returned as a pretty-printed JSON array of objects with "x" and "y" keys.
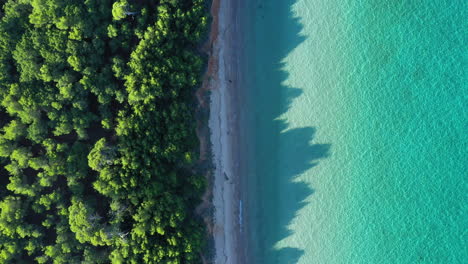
[{"x": 356, "y": 117}]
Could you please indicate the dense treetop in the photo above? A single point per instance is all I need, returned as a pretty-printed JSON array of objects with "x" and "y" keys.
[{"x": 97, "y": 131}]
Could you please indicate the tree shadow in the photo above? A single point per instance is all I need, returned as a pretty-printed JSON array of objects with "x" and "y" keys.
[{"x": 277, "y": 153}]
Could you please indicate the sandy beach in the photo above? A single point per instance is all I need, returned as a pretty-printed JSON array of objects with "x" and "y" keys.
[{"x": 221, "y": 80}]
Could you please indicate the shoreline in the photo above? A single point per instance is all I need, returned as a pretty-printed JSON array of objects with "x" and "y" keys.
[{"x": 221, "y": 80}]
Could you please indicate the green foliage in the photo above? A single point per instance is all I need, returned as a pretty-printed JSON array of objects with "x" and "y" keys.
[
  {"x": 119, "y": 9},
  {"x": 98, "y": 135}
]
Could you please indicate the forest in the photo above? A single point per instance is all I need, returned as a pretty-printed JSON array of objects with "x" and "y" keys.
[{"x": 97, "y": 131}]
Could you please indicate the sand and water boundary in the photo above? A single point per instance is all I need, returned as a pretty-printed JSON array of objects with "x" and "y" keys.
[{"x": 222, "y": 82}]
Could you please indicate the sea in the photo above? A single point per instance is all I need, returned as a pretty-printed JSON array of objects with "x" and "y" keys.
[{"x": 355, "y": 131}]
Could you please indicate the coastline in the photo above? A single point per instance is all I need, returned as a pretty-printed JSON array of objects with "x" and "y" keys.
[
  {"x": 221, "y": 80},
  {"x": 296, "y": 221}
]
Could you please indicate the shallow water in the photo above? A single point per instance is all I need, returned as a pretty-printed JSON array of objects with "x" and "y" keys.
[{"x": 356, "y": 124}]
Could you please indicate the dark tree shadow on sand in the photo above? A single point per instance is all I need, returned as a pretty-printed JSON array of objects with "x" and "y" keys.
[{"x": 280, "y": 153}]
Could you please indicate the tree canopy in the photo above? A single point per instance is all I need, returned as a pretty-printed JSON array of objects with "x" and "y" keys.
[{"x": 97, "y": 131}]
